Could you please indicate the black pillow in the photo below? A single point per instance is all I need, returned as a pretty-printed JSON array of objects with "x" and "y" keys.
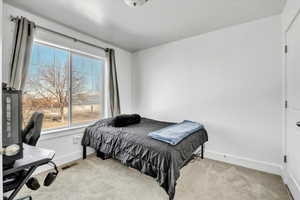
[{"x": 125, "y": 120}]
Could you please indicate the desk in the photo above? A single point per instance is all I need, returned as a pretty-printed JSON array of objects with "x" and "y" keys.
[{"x": 33, "y": 157}]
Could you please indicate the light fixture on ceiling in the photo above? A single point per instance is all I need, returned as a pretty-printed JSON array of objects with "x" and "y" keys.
[{"x": 135, "y": 3}]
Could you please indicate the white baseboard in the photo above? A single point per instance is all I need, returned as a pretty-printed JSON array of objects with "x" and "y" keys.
[
  {"x": 293, "y": 185},
  {"x": 245, "y": 162}
]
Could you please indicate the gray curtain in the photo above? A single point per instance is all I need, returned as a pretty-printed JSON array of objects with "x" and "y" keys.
[
  {"x": 21, "y": 52},
  {"x": 114, "y": 99}
]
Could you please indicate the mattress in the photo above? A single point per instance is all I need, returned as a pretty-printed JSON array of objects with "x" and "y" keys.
[{"x": 133, "y": 147}]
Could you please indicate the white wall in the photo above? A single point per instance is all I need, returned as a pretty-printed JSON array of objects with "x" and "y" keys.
[
  {"x": 230, "y": 80},
  {"x": 62, "y": 142}
]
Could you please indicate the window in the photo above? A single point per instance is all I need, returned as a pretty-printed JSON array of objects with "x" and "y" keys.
[
  {"x": 68, "y": 87},
  {"x": 87, "y": 89}
]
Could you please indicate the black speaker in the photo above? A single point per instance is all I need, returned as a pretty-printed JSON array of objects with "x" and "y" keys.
[
  {"x": 51, "y": 176},
  {"x": 11, "y": 123},
  {"x": 33, "y": 184}
]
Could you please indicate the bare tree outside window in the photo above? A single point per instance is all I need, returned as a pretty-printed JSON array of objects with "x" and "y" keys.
[{"x": 50, "y": 86}]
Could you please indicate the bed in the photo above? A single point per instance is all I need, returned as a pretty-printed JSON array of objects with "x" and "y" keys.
[{"x": 134, "y": 148}]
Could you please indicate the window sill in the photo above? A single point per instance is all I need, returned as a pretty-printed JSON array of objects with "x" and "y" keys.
[
  {"x": 62, "y": 132},
  {"x": 64, "y": 129}
]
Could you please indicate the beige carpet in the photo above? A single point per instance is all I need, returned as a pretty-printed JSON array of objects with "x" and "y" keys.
[{"x": 94, "y": 179}]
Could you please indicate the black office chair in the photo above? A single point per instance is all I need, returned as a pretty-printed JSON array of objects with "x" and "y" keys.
[
  {"x": 32, "y": 132},
  {"x": 30, "y": 135}
]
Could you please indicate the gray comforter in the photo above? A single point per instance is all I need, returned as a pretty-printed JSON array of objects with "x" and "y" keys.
[{"x": 133, "y": 147}]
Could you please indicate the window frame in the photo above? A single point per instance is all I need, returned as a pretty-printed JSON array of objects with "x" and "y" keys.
[{"x": 71, "y": 52}]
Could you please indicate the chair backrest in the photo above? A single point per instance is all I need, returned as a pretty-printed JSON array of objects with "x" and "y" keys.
[{"x": 32, "y": 132}]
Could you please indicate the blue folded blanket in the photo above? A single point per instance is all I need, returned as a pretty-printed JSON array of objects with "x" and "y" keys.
[{"x": 175, "y": 133}]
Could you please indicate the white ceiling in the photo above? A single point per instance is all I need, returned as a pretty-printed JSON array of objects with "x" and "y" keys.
[{"x": 155, "y": 23}]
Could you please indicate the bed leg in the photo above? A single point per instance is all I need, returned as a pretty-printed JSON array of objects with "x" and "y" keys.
[
  {"x": 202, "y": 151},
  {"x": 83, "y": 152}
]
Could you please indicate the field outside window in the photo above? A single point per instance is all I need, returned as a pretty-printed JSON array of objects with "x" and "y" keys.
[{"x": 66, "y": 86}]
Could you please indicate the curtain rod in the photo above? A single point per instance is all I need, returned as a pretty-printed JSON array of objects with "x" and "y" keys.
[{"x": 13, "y": 19}]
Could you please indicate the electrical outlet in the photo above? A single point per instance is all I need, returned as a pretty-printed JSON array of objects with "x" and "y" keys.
[{"x": 76, "y": 139}]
